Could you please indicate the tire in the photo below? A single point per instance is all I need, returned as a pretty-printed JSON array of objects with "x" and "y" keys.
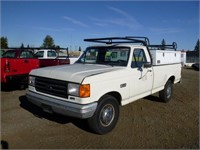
[
  {"x": 166, "y": 94},
  {"x": 106, "y": 115},
  {"x": 22, "y": 84}
]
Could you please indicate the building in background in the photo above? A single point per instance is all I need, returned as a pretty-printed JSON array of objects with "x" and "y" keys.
[{"x": 192, "y": 56}]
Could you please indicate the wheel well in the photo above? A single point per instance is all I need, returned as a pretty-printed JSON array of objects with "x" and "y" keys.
[
  {"x": 172, "y": 78},
  {"x": 116, "y": 95}
]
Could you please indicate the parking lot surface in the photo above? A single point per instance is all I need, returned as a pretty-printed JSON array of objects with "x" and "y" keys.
[{"x": 146, "y": 123}]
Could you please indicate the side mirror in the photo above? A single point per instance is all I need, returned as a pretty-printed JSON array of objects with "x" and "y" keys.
[{"x": 147, "y": 65}]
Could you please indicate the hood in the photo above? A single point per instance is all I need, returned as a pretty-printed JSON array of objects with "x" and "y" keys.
[{"x": 73, "y": 73}]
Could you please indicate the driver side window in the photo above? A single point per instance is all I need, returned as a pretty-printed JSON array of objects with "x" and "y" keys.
[{"x": 138, "y": 58}]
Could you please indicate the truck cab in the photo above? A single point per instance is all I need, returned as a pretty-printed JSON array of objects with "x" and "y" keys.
[{"x": 46, "y": 54}]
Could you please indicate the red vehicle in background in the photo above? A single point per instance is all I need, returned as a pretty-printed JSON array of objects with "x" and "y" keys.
[{"x": 16, "y": 65}]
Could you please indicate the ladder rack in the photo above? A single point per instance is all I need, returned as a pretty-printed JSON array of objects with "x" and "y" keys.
[
  {"x": 115, "y": 40},
  {"x": 132, "y": 39},
  {"x": 163, "y": 47}
]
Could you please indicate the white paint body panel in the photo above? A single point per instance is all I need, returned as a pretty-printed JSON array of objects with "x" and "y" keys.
[{"x": 163, "y": 57}]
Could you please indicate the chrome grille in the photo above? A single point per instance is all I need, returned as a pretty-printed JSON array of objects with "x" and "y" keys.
[{"x": 51, "y": 86}]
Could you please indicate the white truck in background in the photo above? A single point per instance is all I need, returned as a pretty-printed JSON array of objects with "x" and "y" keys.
[
  {"x": 52, "y": 54},
  {"x": 46, "y": 54},
  {"x": 50, "y": 57},
  {"x": 118, "y": 72}
]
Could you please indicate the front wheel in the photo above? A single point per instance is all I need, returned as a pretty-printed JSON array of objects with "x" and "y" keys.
[
  {"x": 167, "y": 92},
  {"x": 106, "y": 116}
]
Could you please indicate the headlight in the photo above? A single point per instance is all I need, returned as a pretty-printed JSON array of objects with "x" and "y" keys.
[
  {"x": 31, "y": 81},
  {"x": 78, "y": 90},
  {"x": 73, "y": 89}
]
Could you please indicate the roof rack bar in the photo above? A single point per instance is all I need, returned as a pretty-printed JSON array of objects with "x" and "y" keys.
[
  {"x": 173, "y": 46},
  {"x": 131, "y": 39},
  {"x": 140, "y": 37},
  {"x": 112, "y": 40}
]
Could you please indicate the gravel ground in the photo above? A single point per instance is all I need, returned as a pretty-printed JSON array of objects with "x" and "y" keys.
[{"x": 146, "y": 123}]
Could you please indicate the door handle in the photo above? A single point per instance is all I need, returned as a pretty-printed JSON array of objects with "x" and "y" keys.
[{"x": 26, "y": 61}]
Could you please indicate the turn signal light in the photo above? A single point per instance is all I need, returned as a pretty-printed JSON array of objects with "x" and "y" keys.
[{"x": 84, "y": 90}]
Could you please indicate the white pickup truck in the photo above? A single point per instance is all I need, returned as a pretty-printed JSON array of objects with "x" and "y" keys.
[
  {"x": 106, "y": 77},
  {"x": 46, "y": 54}
]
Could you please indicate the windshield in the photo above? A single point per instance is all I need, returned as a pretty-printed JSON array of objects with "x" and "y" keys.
[{"x": 115, "y": 56}]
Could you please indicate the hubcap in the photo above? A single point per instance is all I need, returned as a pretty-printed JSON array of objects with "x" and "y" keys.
[
  {"x": 107, "y": 115},
  {"x": 169, "y": 91}
]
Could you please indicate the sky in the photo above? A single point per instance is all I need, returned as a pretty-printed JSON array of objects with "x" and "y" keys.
[{"x": 69, "y": 22}]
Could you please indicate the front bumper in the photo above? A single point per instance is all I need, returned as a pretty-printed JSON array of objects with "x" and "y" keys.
[{"x": 50, "y": 104}]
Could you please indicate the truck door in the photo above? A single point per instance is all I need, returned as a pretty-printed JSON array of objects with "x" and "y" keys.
[
  {"x": 141, "y": 77},
  {"x": 27, "y": 61}
]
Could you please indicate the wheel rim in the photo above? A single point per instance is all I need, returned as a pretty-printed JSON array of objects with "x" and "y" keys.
[
  {"x": 169, "y": 91},
  {"x": 107, "y": 115}
]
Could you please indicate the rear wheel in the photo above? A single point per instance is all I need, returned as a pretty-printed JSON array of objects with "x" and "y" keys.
[
  {"x": 166, "y": 94},
  {"x": 106, "y": 115}
]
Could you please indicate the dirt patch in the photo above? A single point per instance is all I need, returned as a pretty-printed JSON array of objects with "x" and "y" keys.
[{"x": 146, "y": 123}]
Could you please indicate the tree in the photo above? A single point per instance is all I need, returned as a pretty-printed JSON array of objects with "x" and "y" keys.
[
  {"x": 196, "y": 48},
  {"x": 48, "y": 42},
  {"x": 4, "y": 42},
  {"x": 163, "y": 43},
  {"x": 22, "y": 45}
]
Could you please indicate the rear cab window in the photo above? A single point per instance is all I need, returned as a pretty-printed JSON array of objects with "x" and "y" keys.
[
  {"x": 26, "y": 54},
  {"x": 51, "y": 54},
  {"x": 9, "y": 54},
  {"x": 39, "y": 54}
]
